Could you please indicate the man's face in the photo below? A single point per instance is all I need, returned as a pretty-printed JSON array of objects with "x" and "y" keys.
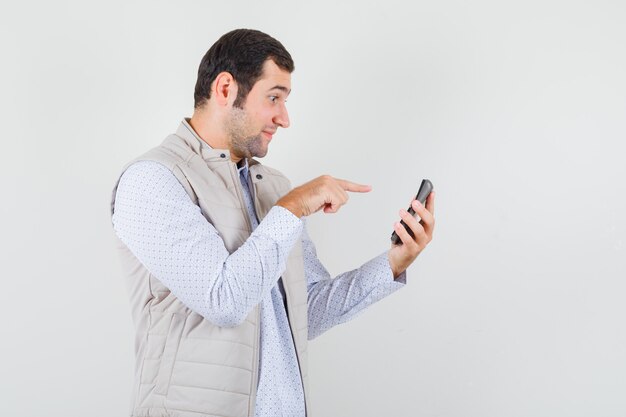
[{"x": 250, "y": 129}]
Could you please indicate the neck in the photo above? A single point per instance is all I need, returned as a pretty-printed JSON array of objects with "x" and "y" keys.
[{"x": 211, "y": 130}]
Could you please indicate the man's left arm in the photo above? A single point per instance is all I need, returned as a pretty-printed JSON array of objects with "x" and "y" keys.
[{"x": 337, "y": 300}]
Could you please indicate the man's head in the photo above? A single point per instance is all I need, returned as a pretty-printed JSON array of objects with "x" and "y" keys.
[
  {"x": 244, "y": 80},
  {"x": 242, "y": 53}
]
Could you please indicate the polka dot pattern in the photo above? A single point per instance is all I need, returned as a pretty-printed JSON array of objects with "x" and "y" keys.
[{"x": 159, "y": 223}]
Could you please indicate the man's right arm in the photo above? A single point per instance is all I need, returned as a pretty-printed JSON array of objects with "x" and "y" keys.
[{"x": 155, "y": 218}]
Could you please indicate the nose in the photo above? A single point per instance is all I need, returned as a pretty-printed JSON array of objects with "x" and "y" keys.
[{"x": 282, "y": 118}]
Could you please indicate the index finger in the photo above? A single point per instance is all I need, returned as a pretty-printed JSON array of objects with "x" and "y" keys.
[{"x": 353, "y": 186}]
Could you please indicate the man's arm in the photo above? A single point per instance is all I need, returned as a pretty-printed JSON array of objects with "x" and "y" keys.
[
  {"x": 158, "y": 222},
  {"x": 334, "y": 301},
  {"x": 329, "y": 194},
  {"x": 337, "y": 300}
]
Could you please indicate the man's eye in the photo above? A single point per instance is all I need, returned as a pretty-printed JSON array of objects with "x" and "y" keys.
[{"x": 273, "y": 98}]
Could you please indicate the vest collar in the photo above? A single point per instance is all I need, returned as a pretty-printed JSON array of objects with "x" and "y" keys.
[{"x": 199, "y": 146}]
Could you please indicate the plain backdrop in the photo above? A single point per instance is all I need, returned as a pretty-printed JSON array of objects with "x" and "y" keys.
[{"x": 516, "y": 110}]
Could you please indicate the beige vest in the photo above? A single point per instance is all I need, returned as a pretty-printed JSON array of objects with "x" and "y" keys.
[{"x": 185, "y": 365}]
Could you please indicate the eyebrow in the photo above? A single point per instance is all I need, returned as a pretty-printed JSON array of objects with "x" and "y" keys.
[{"x": 281, "y": 88}]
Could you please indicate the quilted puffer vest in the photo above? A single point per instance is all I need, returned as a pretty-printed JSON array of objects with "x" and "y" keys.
[{"x": 185, "y": 365}]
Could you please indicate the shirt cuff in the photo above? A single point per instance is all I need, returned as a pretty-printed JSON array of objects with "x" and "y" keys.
[
  {"x": 378, "y": 274},
  {"x": 383, "y": 258},
  {"x": 281, "y": 225}
]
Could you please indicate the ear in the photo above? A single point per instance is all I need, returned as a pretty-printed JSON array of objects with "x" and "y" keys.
[{"x": 224, "y": 89}]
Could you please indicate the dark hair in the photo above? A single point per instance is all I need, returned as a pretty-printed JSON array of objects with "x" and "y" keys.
[{"x": 242, "y": 53}]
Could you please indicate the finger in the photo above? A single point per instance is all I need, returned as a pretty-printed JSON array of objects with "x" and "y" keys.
[
  {"x": 337, "y": 197},
  {"x": 416, "y": 227},
  {"x": 332, "y": 206},
  {"x": 404, "y": 236},
  {"x": 427, "y": 219},
  {"x": 353, "y": 186},
  {"x": 339, "y": 193},
  {"x": 329, "y": 208}
]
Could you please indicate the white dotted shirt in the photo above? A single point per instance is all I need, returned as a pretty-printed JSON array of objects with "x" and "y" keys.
[{"x": 158, "y": 222}]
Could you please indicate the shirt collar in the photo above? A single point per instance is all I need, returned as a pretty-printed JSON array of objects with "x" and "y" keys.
[{"x": 244, "y": 168}]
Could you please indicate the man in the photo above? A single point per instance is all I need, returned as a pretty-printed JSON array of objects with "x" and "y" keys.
[{"x": 225, "y": 285}]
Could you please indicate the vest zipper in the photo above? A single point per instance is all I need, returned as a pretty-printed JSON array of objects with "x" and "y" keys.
[
  {"x": 237, "y": 182},
  {"x": 288, "y": 303},
  {"x": 257, "y": 348}
]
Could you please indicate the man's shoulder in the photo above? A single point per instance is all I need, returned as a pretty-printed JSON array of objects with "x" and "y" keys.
[
  {"x": 160, "y": 160},
  {"x": 147, "y": 174},
  {"x": 171, "y": 152},
  {"x": 156, "y": 169},
  {"x": 145, "y": 181},
  {"x": 145, "y": 168}
]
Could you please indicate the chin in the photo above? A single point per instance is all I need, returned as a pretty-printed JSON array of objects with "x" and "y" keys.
[{"x": 260, "y": 154}]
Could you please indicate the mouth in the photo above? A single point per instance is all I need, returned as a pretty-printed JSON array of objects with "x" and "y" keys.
[{"x": 269, "y": 134}]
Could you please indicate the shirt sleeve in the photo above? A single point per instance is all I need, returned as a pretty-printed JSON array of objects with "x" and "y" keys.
[
  {"x": 155, "y": 218},
  {"x": 337, "y": 300}
]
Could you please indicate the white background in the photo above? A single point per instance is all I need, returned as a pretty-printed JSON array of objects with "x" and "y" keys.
[{"x": 514, "y": 109}]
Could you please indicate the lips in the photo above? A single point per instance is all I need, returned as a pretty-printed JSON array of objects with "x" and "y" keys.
[{"x": 269, "y": 134}]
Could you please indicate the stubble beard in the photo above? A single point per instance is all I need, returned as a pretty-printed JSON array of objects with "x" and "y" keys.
[{"x": 244, "y": 145}]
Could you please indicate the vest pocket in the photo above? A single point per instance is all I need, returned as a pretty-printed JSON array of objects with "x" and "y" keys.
[{"x": 169, "y": 353}]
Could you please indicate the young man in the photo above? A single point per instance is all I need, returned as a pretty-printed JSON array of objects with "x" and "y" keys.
[{"x": 225, "y": 285}]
